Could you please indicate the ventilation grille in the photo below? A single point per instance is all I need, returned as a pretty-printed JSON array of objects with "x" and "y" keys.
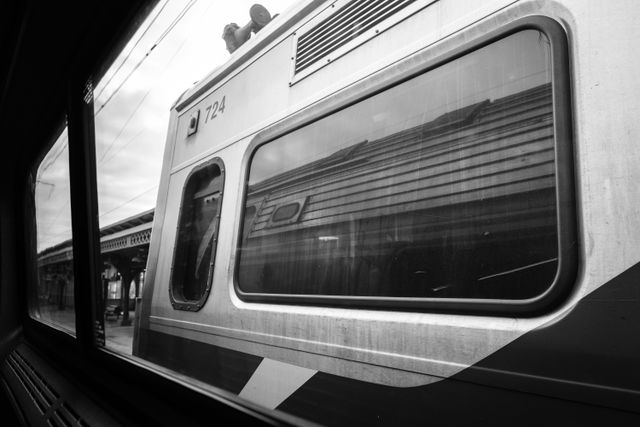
[
  {"x": 346, "y": 24},
  {"x": 46, "y": 399}
]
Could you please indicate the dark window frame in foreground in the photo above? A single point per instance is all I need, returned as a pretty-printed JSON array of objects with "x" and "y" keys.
[
  {"x": 178, "y": 300},
  {"x": 564, "y": 181}
]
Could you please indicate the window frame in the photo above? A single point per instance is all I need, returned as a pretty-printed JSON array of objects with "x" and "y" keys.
[
  {"x": 398, "y": 73},
  {"x": 195, "y": 305}
]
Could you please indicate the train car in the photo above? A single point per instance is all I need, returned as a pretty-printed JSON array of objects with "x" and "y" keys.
[{"x": 408, "y": 212}]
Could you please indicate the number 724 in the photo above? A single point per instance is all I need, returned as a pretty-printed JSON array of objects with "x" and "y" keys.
[{"x": 215, "y": 109}]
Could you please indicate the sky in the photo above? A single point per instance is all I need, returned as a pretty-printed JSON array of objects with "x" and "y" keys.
[{"x": 178, "y": 44}]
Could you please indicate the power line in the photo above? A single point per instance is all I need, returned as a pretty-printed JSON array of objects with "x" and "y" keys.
[
  {"x": 102, "y": 157},
  {"x": 51, "y": 236},
  {"x": 125, "y": 145},
  {"x": 162, "y": 36},
  {"x": 173, "y": 57},
  {"x": 67, "y": 230},
  {"x": 104, "y": 87},
  {"x": 54, "y": 157},
  {"x": 165, "y": 33},
  {"x": 54, "y": 221},
  {"x": 104, "y": 153},
  {"x": 130, "y": 200},
  {"x": 175, "y": 21}
]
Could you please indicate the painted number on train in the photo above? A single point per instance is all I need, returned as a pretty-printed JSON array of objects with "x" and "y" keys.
[{"x": 214, "y": 110}]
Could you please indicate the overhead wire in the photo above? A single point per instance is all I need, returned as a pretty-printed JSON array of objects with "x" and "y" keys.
[
  {"x": 146, "y": 55},
  {"x": 133, "y": 48},
  {"x": 160, "y": 38},
  {"x": 175, "y": 21},
  {"x": 180, "y": 16},
  {"x": 130, "y": 200},
  {"x": 68, "y": 229},
  {"x": 53, "y": 158},
  {"x": 124, "y": 126},
  {"x": 125, "y": 145},
  {"x": 137, "y": 107},
  {"x": 164, "y": 34}
]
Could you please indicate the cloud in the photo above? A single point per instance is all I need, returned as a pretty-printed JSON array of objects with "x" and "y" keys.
[{"x": 131, "y": 128}]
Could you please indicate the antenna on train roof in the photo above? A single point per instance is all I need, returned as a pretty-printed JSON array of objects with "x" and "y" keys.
[{"x": 234, "y": 35}]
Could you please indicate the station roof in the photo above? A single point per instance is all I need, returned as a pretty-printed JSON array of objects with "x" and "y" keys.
[
  {"x": 132, "y": 221},
  {"x": 145, "y": 217}
]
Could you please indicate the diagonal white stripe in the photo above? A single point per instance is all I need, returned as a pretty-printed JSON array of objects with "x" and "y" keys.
[{"x": 274, "y": 381}]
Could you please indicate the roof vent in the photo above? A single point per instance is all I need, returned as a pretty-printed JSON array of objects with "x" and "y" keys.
[{"x": 347, "y": 23}]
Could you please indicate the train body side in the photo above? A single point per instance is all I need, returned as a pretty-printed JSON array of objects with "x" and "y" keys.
[{"x": 320, "y": 361}]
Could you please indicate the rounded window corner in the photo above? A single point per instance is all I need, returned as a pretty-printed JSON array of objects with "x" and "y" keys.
[
  {"x": 551, "y": 257},
  {"x": 197, "y": 237}
]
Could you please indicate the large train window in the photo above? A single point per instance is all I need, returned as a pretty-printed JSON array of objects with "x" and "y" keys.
[
  {"x": 197, "y": 238},
  {"x": 443, "y": 189},
  {"x": 52, "y": 298}
]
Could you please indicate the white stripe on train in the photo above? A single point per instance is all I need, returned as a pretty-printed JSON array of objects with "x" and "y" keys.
[{"x": 273, "y": 381}]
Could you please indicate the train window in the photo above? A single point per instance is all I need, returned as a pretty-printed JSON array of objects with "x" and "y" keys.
[
  {"x": 287, "y": 213},
  {"x": 132, "y": 108},
  {"x": 195, "y": 248},
  {"x": 441, "y": 187},
  {"x": 52, "y": 300}
]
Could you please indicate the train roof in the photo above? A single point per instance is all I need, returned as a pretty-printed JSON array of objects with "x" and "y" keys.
[{"x": 279, "y": 27}]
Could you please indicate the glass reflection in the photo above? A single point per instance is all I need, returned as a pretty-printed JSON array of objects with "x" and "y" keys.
[
  {"x": 441, "y": 187},
  {"x": 195, "y": 251}
]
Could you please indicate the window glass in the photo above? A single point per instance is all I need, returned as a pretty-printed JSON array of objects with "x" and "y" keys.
[
  {"x": 197, "y": 238},
  {"x": 177, "y": 45},
  {"x": 440, "y": 187},
  {"x": 132, "y": 106},
  {"x": 285, "y": 212},
  {"x": 249, "y": 216},
  {"x": 53, "y": 299}
]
